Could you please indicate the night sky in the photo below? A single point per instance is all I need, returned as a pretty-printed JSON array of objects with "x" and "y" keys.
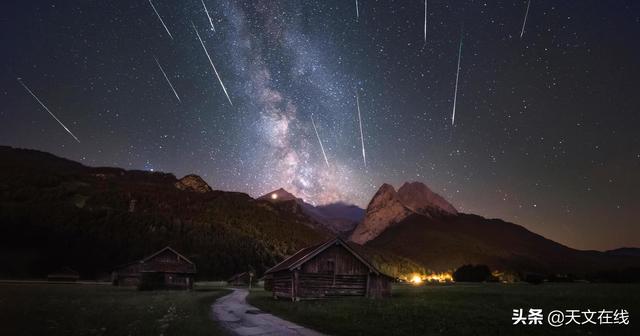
[{"x": 546, "y": 132}]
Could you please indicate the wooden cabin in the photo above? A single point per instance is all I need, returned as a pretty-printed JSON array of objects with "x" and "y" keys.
[
  {"x": 65, "y": 274},
  {"x": 241, "y": 279},
  {"x": 165, "y": 269},
  {"x": 331, "y": 269}
]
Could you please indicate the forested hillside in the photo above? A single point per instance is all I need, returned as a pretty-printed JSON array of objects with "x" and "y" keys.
[
  {"x": 58, "y": 213},
  {"x": 55, "y": 212}
]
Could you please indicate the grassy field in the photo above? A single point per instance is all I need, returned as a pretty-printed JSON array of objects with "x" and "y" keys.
[
  {"x": 459, "y": 309},
  {"x": 58, "y": 309}
]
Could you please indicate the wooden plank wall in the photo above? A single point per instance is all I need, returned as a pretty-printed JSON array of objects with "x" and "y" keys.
[
  {"x": 379, "y": 286},
  {"x": 282, "y": 284},
  {"x": 327, "y": 285}
]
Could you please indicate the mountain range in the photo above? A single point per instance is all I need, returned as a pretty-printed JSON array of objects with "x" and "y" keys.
[
  {"x": 419, "y": 224},
  {"x": 55, "y": 212}
]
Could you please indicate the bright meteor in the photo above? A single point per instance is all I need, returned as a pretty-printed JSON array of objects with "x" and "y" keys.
[
  {"x": 46, "y": 108},
  {"x": 208, "y": 16},
  {"x": 213, "y": 66},
  {"x": 364, "y": 155},
  {"x": 455, "y": 93},
  {"x": 320, "y": 141},
  {"x": 167, "y": 78},
  {"x": 525, "y": 18},
  {"x": 425, "y": 21},
  {"x": 161, "y": 21}
]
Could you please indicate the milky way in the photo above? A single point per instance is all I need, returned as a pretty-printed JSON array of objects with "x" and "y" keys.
[
  {"x": 284, "y": 156},
  {"x": 545, "y": 130}
]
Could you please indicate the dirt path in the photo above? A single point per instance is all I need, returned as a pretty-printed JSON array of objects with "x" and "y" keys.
[{"x": 237, "y": 316}]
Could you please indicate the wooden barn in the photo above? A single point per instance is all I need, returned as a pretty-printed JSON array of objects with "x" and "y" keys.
[
  {"x": 165, "y": 269},
  {"x": 241, "y": 279},
  {"x": 331, "y": 269}
]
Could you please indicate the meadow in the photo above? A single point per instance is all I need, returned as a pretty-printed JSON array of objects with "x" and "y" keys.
[
  {"x": 459, "y": 309},
  {"x": 74, "y": 309}
]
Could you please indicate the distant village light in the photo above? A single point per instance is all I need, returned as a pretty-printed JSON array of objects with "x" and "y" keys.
[
  {"x": 418, "y": 279},
  {"x": 439, "y": 277}
]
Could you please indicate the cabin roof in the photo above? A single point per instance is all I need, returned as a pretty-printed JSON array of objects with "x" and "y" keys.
[
  {"x": 141, "y": 262},
  {"x": 307, "y": 253},
  {"x": 168, "y": 248}
]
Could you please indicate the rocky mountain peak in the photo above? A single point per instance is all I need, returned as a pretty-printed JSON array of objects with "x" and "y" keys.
[
  {"x": 388, "y": 207},
  {"x": 194, "y": 183},
  {"x": 385, "y": 194},
  {"x": 383, "y": 210},
  {"x": 419, "y": 198}
]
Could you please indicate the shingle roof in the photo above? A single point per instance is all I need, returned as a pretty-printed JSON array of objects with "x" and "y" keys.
[
  {"x": 307, "y": 253},
  {"x": 165, "y": 249}
]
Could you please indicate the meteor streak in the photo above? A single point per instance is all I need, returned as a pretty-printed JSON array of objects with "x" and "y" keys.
[
  {"x": 167, "y": 78},
  {"x": 364, "y": 156},
  {"x": 211, "y": 62},
  {"x": 161, "y": 21},
  {"x": 320, "y": 141},
  {"x": 208, "y": 16},
  {"x": 47, "y": 109},
  {"x": 357, "y": 10},
  {"x": 455, "y": 93},
  {"x": 425, "y": 21},
  {"x": 525, "y": 18}
]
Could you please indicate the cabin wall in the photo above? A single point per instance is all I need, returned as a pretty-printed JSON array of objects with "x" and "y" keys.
[
  {"x": 317, "y": 285},
  {"x": 159, "y": 280},
  {"x": 178, "y": 281},
  {"x": 379, "y": 286},
  {"x": 282, "y": 284}
]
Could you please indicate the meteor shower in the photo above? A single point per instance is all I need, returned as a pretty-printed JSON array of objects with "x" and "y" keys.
[{"x": 319, "y": 167}]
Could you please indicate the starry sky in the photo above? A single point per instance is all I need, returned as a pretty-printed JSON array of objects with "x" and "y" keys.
[{"x": 546, "y": 130}]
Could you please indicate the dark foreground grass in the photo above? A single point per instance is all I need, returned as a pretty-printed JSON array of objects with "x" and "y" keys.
[
  {"x": 460, "y": 309},
  {"x": 57, "y": 309}
]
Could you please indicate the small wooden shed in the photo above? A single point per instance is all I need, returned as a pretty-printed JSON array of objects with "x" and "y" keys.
[
  {"x": 165, "y": 269},
  {"x": 241, "y": 279},
  {"x": 331, "y": 269}
]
